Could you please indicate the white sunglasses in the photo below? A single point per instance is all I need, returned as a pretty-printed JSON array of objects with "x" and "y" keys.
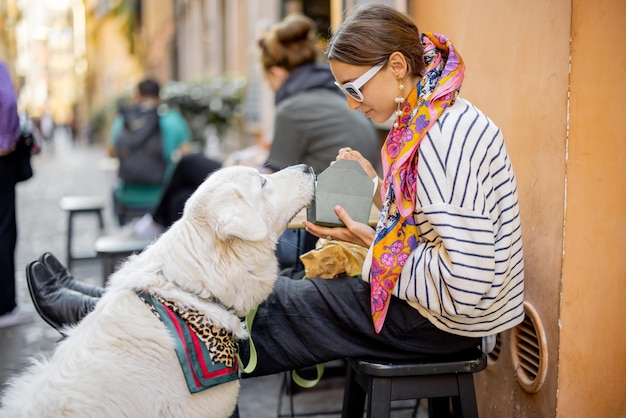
[{"x": 352, "y": 89}]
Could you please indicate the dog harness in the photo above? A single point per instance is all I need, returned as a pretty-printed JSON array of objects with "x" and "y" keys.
[{"x": 205, "y": 352}]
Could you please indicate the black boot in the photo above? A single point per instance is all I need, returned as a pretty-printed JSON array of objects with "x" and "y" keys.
[
  {"x": 57, "y": 305},
  {"x": 65, "y": 278}
]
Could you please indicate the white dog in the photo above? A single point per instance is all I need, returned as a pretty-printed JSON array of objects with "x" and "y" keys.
[{"x": 217, "y": 260}]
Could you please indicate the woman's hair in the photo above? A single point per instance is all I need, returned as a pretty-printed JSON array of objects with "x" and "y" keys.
[
  {"x": 371, "y": 33},
  {"x": 290, "y": 43},
  {"x": 148, "y": 87}
]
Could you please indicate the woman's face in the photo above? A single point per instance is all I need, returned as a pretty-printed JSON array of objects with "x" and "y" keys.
[{"x": 379, "y": 92}]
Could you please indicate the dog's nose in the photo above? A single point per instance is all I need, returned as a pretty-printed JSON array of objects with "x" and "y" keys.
[{"x": 305, "y": 168}]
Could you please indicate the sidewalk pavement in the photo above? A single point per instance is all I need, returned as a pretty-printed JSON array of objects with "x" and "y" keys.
[{"x": 66, "y": 168}]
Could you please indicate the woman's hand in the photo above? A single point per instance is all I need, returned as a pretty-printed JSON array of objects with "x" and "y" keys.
[
  {"x": 354, "y": 232},
  {"x": 350, "y": 154}
]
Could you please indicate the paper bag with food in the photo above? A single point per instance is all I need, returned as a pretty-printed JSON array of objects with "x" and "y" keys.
[{"x": 331, "y": 258}]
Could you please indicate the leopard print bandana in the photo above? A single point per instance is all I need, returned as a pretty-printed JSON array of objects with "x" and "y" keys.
[{"x": 206, "y": 353}]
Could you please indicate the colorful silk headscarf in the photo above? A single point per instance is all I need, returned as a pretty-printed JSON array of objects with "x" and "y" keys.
[{"x": 396, "y": 233}]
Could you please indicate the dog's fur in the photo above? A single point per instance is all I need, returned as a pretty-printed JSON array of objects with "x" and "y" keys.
[{"x": 120, "y": 360}]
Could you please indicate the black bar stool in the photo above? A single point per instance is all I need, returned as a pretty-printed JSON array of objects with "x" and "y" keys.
[{"x": 384, "y": 382}]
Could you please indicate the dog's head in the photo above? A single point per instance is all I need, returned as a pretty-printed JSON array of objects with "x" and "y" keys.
[
  {"x": 223, "y": 247},
  {"x": 240, "y": 202}
]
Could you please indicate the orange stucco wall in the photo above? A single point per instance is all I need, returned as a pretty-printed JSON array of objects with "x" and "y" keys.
[
  {"x": 592, "y": 370},
  {"x": 157, "y": 38},
  {"x": 108, "y": 45},
  {"x": 571, "y": 184}
]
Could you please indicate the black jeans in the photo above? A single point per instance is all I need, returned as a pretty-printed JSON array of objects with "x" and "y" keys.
[
  {"x": 313, "y": 321},
  {"x": 305, "y": 322},
  {"x": 189, "y": 173}
]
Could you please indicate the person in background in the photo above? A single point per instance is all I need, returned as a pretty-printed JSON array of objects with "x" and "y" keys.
[
  {"x": 445, "y": 264},
  {"x": 46, "y": 125},
  {"x": 176, "y": 138},
  {"x": 311, "y": 120},
  {"x": 189, "y": 173},
  {"x": 10, "y": 312}
]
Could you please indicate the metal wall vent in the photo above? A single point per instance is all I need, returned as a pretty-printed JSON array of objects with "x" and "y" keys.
[{"x": 529, "y": 351}]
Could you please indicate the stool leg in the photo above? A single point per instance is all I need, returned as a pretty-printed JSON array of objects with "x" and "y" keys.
[
  {"x": 439, "y": 408},
  {"x": 100, "y": 219},
  {"x": 379, "y": 400},
  {"x": 70, "y": 223},
  {"x": 281, "y": 392},
  {"x": 465, "y": 404},
  {"x": 108, "y": 265},
  {"x": 353, "y": 396}
]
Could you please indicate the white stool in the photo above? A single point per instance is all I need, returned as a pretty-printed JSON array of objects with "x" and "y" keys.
[
  {"x": 75, "y": 205},
  {"x": 114, "y": 248}
]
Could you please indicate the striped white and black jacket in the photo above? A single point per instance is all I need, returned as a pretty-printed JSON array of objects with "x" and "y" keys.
[{"x": 467, "y": 273}]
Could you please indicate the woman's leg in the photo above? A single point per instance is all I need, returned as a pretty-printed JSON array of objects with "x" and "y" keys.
[
  {"x": 189, "y": 173},
  {"x": 8, "y": 240},
  {"x": 177, "y": 204},
  {"x": 59, "y": 306},
  {"x": 312, "y": 321},
  {"x": 65, "y": 278},
  {"x": 8, "y": 232},
  {"x": 302, "y": 323}
]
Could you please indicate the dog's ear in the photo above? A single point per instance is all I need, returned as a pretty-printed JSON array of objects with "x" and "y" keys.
[{"x": 241, "y": 220}]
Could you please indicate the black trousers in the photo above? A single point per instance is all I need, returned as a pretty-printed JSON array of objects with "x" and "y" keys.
[
  {"x": 8, "y": 232},
  {"x": 312, "y": 321},
  {"x": 189, "y": 173}
]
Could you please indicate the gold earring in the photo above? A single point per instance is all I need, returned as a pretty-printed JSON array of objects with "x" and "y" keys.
[{"x": 399, "y": 100}]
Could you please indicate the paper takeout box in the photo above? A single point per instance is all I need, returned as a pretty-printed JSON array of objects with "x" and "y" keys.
[{"x": 344, "y": 183}]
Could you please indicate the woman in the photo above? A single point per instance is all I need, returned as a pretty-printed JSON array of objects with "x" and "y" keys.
[
  {"x": 445, "y": 263},
  {"x": 311, "y": 120}
]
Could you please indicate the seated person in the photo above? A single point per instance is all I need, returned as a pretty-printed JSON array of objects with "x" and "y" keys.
[{"x": 175, "y": 137}]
